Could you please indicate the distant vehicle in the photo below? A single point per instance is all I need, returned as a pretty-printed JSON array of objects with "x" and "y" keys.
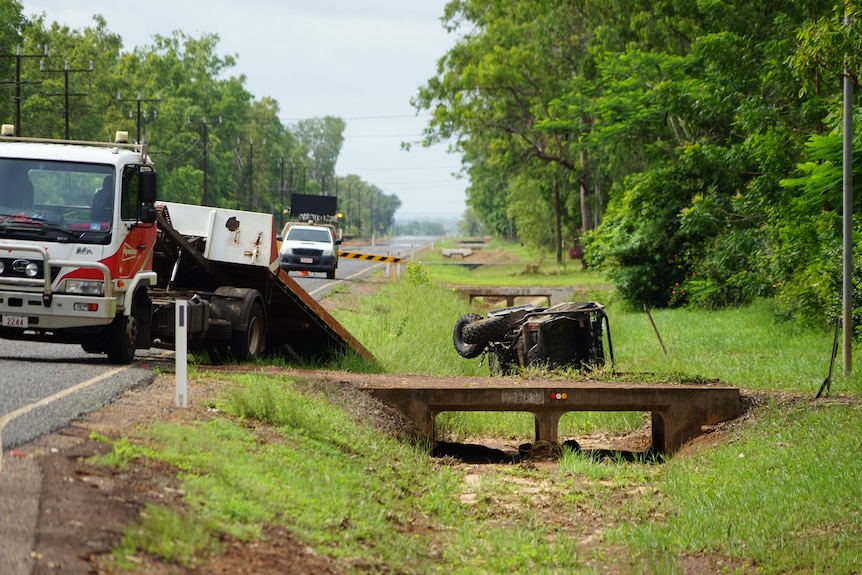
[{"x": 310, "y": 248}]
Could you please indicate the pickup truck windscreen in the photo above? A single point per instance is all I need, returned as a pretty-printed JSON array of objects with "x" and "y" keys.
[
  {"x": 309, "y": 235},
  {"x": 56, "y": 201}
]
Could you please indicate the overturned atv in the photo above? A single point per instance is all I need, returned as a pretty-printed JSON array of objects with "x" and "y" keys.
[{"x": 565, "y": 335}]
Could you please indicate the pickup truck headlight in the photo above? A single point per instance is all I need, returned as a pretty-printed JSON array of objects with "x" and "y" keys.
[{"x": 85, "y": 287}]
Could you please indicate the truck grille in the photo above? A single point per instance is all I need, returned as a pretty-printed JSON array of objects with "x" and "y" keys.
[
  {"x": 15, "y": 268},
  {"x": 307, "y": 252}
]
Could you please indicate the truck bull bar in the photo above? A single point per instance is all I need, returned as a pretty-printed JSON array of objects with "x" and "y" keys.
[{"x": 46, "y": 280}]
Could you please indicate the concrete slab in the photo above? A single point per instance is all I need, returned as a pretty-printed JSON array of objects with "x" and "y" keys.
[
  {"x": 679, "y": 412},
  {"x": 553, "y": 295}
]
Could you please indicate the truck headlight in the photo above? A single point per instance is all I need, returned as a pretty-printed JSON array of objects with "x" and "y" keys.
[
  {"x": 31, "y": 270},
  {"x": 85, "y": 287}
]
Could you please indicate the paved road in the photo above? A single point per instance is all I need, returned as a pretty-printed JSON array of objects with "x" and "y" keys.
[
  {"x": 349, "y": 269},
  {"x": 43, "y": 386}
]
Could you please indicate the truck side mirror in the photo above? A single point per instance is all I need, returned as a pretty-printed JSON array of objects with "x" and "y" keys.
[
  {"x": 147, "y": 213},
  {"x": 147, "y": 187}
]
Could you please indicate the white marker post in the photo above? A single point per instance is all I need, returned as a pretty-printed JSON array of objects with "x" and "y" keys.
[{"x": 181, "y": 348}]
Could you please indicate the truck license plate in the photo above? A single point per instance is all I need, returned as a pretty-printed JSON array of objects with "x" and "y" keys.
[
  {"x": 15, "y": 321},
  {"x": 305, "y": 260}
]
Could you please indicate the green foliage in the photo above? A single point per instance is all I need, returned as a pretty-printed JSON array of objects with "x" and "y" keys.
[
  {"x": 764, "y": 498},
  {"x": 470, "y": 224},
  {"x": 417, "y": 274},
  {"x": 680, "y": 119},
  {"x": 174, "y": 536},
  {"x": 211, "y": 140},
  {"x": 421, "y": 228}
]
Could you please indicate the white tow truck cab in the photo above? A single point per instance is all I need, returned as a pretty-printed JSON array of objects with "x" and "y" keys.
[{"x": 77, "y": 229}]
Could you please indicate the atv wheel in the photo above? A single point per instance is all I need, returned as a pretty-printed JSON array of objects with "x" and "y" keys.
[
  {"x": 466, "y": 350},
  {"x": 501, "y": 363},
  {"x": 484, "y": 331}
]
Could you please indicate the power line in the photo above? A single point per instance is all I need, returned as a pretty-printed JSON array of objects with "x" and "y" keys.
[
  {"x": 354, "y": 169},
  {"x": 362, "y": 118}
]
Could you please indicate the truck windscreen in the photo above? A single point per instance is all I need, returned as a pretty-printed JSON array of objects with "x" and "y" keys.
[{"x": 56, "y": 201}]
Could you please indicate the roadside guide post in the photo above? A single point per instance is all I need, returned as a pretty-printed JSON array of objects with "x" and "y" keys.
[{"x": 181, "y": 347}]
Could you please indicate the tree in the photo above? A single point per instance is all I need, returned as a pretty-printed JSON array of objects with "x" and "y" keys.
[
  {"x": 493, "y": 94},
  {"x": 322, "y": 138}
]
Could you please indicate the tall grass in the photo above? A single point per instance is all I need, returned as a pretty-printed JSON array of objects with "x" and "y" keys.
[
  {"x": 408, "y": 329},
  {"x": 785, "y": 496},
  {"x": 745, "y": 347}
]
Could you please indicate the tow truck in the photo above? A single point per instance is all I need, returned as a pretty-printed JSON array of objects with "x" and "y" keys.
[{"x": 88, "y": 256}]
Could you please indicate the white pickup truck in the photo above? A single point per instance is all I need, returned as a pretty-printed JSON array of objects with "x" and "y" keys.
[{"x": 310, "y": 248}]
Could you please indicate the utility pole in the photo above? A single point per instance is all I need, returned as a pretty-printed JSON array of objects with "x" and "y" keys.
[
  {"x": 250, "y": 168},
  {"x": 348, "y": 219},
  {"x": 204, "y": 138},
  {"x": 281, "y": 189},
  {"x": 66, "y": 94},
  {"x": 158, "y": 98},
  {"x": 18, "y": 83},
  {"x": 847, "y": 184}
]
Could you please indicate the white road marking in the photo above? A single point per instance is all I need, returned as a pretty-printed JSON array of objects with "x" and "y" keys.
[
  {"x": 338, "y": 281},
  {"x": 4, "y": 421}
]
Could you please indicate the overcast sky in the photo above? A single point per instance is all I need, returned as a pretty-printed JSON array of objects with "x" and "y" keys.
[{"x": 359, "y": 60}]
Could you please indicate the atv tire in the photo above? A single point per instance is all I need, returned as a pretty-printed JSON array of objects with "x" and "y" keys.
[
  {"x": 485, "y": 331},
  {"x": 464, "y": 349}
]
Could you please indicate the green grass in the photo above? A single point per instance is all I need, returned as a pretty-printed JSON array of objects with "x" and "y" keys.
[
  {"x": 340, "y": 486},
  {"x": 780, "y": 493},
  {"x": 408, "y": 329},
  {"x": 744, "y": 347},
  {"x": 785, "y": 495},
  {"x": 518, "y": 267}
]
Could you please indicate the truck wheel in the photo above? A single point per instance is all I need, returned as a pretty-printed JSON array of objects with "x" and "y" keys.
[
  {"x": 250, "y": 343},
  {"x": 330, "y": 274},
  {"x": 121, "y": 339},
  {"x": 93, "y": 347},
  {"x": 485, "y": 331},
  {"x": 466, "y": 350}
]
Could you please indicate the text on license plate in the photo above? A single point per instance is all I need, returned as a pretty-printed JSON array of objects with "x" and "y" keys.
[
  {"x": 15, "y": 321},
  {"x": 306, "y": 260}
]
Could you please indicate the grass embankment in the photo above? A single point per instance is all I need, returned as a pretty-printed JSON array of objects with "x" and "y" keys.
[
  {"x": 509, "y": 264},
  {"x": 780, "y": 494}
]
